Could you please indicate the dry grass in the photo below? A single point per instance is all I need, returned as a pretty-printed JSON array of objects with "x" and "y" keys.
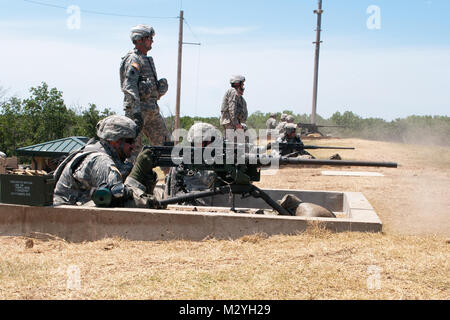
[
  {"x": 409, "y": 260},
  {"x": 313, "y": 265}
]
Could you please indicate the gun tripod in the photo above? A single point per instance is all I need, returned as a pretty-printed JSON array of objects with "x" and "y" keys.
[{"x": 243, "y": 190}]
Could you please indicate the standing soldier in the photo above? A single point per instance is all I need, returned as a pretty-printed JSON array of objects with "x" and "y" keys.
[
  {"x": 142, "y": 89},
  {"x": 280, "y": 126},
  {"x": 234, "y": 108},
  {"x": 271, "y": 123}
]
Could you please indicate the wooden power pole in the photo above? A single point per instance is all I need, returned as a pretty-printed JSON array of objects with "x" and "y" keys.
[
  {"x": 180, "y": 53},
  {"x": 319, "y": 12}
]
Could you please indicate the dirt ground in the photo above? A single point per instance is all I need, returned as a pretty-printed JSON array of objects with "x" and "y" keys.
[
  {"x": 408, "y": 260},
  {"x": 411, "y": 199}
]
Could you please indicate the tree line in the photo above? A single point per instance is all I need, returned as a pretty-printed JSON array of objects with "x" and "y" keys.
[
  {"x": 412, "y": 129},
  {"x": 43, "y": 116}
]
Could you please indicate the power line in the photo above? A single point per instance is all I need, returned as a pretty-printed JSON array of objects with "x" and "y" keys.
[
  {"x": 185, "y": 21},
  {"x": 96, "y": 12}
]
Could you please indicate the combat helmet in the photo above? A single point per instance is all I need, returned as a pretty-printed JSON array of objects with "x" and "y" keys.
[
  {"x": 141, "y": 31},
  {"x": 201, "y": 132},
  {"x": 290, "y": 119},
  {"x": 237, "y": 79},
  {"x": 289, "y": 128},
  {"x": 116, "y": 127}
]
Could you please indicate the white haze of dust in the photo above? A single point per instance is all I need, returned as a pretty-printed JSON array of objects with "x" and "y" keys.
[{"x": 429, "y": 206}]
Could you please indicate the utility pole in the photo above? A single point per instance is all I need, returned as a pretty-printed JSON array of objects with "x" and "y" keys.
[
  {"x": 180, "y": 54},
  {"x": 319, "y": 12},
  {"x": 180, "y": 50}
]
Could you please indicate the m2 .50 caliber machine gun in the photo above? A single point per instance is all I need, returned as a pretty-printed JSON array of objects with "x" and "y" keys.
[
  {"x": 308, "y": 128},
  {"x": 293, "y": 149},
  {"x": 235, "y": 170}
]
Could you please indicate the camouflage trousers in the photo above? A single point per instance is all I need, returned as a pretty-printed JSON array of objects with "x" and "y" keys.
[
  {"x": 230, "y": 133},
  {"x": 154, "y": 128}
]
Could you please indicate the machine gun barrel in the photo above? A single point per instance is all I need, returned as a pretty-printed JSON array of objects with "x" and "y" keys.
[
  {"x": 164, "y": 158},
  {"x": 329, "y": 126},
  {"x": 319, "y": 147},
  {"x": 287, "y": 160},
  {"x": 302, "y": 146},
  {"x": 312, "y": 125}
]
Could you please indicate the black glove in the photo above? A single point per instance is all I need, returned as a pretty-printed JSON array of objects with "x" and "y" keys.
[
  {"x": 142, "y": 169},
  {"x": 153, "y": 203}
]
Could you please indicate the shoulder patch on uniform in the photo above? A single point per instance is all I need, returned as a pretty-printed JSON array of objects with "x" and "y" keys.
[{"x": 135, "y": 65}]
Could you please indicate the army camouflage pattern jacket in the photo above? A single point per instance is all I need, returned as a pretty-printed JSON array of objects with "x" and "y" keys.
[
  {"x": 96, "y": 166},
  {"x": 234, "y": 108},
  {"x": 139, "y": 82},
  {"x": 271, "y": 123}
]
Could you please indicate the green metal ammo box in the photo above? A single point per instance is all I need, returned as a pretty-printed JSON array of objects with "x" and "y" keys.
[{"x": 27, "y": 190}]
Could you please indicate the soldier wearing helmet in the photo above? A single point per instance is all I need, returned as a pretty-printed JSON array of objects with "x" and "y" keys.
[
  {"x": 142, "y": 88},
  {"x": 101, "y": 164},
  {"x": 289, "y": 119},
  {"x": 291, "y": 143},
  {"x": 180, "y": 181},
  {"x": 234, "y": 107},
  {"x": 271, "y": 123},
  {"x": 280, "y": 126}
]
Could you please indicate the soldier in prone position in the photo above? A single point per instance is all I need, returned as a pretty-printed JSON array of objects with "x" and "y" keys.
[
  {"x": 101, "y": 164},
  {"x": 142, "y": 89}
]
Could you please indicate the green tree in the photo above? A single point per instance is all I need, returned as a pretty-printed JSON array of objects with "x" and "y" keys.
[
  {"x": 13, "y": 129},
  {"x": 86, "y": 122},
  {"x": 46, "y": 115}
]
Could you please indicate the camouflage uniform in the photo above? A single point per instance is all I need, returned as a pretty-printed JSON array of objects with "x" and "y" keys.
[
  {"x": 271, "y": 123},
  {"x": 142, "y": 90},
  {"x": 180, "y": 182},
  {"x": 97, "y": 165},
  {"x": 285, "y": 150},
  {"x": 280, "y": 127},
  {"x": 234, "y": 108}
]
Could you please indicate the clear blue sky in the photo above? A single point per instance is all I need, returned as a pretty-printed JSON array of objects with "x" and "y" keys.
[{"x": 396, "y": 69}]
